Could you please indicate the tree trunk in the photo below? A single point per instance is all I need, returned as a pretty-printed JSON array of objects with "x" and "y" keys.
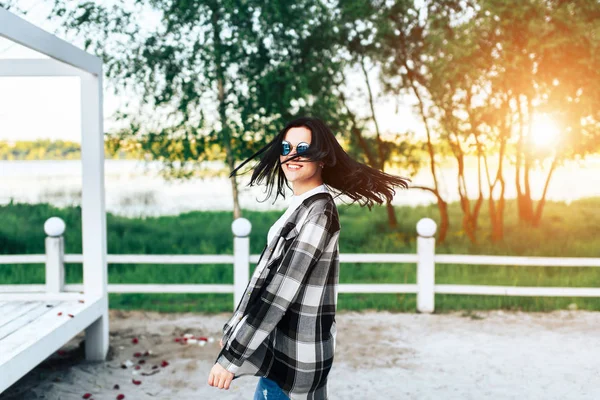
[
  {"x": 442, "y": 205},
  {"x": 496, "y": 207},
  {"x": 392, "y": 221},
  {"x": 443, "y": 209},
  {"x": 225, "y": 130},
  {"x": 540, "y": 206},
  {"x": 479, "y": 202},
  {"x": 524, "y": 201}
]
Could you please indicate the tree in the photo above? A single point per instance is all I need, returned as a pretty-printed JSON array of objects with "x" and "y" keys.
[
  {"x": 358, "y": 24},
  {"x": 259, "y": 63},
  {"x": 546, "y": 52},
  {"x": 402, "y": 31}
]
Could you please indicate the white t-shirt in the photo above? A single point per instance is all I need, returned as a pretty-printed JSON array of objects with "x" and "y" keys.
[{"x": 294, "y": 203}]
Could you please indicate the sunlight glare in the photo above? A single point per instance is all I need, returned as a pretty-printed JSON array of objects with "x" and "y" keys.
[{"x": 545, "y": 132}]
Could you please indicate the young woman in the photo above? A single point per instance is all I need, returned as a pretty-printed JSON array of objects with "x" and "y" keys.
[{"x": 283, "y": 329}]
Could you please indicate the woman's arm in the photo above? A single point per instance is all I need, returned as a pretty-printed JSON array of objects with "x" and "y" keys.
[{"x": 264, "y": 315}]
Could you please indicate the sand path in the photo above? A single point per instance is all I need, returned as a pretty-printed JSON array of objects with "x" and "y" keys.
[{"x": 379, "y": 355}]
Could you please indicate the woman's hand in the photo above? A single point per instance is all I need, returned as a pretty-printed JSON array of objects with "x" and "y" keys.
[{"x": 220, "y": 377}]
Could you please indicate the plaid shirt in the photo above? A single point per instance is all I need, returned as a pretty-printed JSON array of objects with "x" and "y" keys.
[{"x": 284, "y": 326}]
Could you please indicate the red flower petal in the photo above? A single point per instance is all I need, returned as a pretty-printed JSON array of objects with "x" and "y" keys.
[
  {"x": 137, "y": 367},
  {"x": 177, "y": 339},
  {"x": 71, "y": 315},
  {"x": 154, "y": 366},
  {"x": 134, "y": 340},
  {"x": 136, "y": 382},
  {"x": 59, "y": 314},
  {"x": 203, "y": 338},
  {"x": 120, "y": 397},
  {"x": 116, "y": 387},
  {"x": 146, "y": 353},
  {"x": 137, "y": 354},
  {"x": 142, "y": 361},
  {"x": 86, "y": 396},
  {"x": 164, "y": 363}
]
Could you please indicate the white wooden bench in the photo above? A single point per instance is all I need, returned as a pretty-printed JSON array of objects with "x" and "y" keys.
[
  {"x": 30, "y": 327},
  {"x": 37, "y": 320},
  {"x": 31, "y": 330}
]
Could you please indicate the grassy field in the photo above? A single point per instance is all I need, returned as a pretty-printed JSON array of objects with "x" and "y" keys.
[{"x": 567, "y": 231}]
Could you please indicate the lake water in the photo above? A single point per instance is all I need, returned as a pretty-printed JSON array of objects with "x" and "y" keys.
[{"x": 135, "y": 188}]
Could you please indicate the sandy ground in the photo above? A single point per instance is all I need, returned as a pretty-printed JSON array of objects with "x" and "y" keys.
[{"x": 379, "y": 355}]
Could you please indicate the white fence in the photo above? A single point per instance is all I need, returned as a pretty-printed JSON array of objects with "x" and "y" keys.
[{"x": 425, "y": 260}]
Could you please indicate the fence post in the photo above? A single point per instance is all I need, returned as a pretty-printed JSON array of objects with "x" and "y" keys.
[
  {"x": 55, "y": 252},
  {"x": 426, "y": 228},
  {"x": 241, "y": 228}
]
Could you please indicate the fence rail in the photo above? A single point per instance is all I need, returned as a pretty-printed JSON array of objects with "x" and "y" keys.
[{"x": 425, "y": 260}]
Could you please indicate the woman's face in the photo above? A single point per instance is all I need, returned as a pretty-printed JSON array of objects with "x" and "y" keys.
[{"x": 300, "y": 171}]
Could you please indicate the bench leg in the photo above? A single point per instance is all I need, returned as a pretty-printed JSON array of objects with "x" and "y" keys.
[{"x": 96, "y": 338}]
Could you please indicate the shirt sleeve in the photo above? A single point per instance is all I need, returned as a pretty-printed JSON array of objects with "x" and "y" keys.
[{"x": 264, "y": 315}]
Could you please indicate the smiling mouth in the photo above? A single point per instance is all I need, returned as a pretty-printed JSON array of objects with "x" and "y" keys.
[{"x": 293, "y": 167}]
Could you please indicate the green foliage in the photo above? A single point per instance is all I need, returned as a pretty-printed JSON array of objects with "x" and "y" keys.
[
  {"x": 46, "y": 149},
  {"x": 568, "y": 231},
  {"x": 227, "y": 73}
]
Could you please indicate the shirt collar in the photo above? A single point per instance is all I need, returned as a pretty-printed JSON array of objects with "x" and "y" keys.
[{"x": 299, "y": 198}]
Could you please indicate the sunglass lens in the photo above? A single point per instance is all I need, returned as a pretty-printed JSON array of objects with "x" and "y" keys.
[
  {"x": 285, "y": 148},
  {"x": 302, "y": 148}
]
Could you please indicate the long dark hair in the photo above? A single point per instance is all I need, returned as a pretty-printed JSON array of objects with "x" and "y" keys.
[{"x": 358, "y": 181}]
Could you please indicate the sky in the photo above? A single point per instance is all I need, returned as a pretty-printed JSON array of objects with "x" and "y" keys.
[{"x": 48, "y": 108}]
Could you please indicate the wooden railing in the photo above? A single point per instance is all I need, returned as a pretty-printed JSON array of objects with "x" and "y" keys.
[{"x": 425, "y": 260}]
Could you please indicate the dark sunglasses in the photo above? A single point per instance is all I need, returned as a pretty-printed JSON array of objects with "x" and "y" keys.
[{"x": 286, "y": 147}]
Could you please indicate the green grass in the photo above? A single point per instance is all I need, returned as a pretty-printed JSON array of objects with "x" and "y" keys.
[{"x": 566, "y": 231}]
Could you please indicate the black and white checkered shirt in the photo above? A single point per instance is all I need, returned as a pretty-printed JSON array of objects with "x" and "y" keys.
[{"x": 284, "y": 326}]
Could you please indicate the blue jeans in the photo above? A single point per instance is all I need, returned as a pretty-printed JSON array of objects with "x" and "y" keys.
[{"x": 269, "y": 390}]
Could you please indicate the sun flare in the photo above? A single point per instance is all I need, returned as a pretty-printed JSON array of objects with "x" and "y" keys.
[{"x": 544, "y": 131}]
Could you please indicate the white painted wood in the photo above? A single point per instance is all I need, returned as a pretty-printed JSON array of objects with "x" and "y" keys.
[
  {"x": 41, "y": 296},
  {"x": 96, "y": 334},
  {"x": 95, "y": 278},
  {"x": 23, "y": 259},
  {"x": 426, "y": 227},
  {"x": 93, "y": 196},
  {"x": 55, "y": 227},
  {"x": 20, "y": 31},
  {"x": 22, "y": 288},
  {"x": 37, "y": 68},
  {"x": 241, "y": 228},
  {"x": 55, "y": 267},
  {"x": 426, "y": 266},
  {"x": 33, "y": 343},
  {"x": 377, "y": 288},
  {"x": 22, "y": 307},
  {"x": 170, "y": 259},
  {"x": 8, "y": 306},
  {"x": 520, "y": 261},
  {"x": 123, "y": 288},
  {"x": 43, "y": 325},
  {"x": 378, "y": 258},
  {"x": 156, "y": 259},
  {"x": 171, "y": 288},
  {"x": 517, "y": 290},
  {"x": 40, "y": 308}
]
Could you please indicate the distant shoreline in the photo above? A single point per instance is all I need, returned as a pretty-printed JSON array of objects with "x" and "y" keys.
[{"x": 137, "y": 189}]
